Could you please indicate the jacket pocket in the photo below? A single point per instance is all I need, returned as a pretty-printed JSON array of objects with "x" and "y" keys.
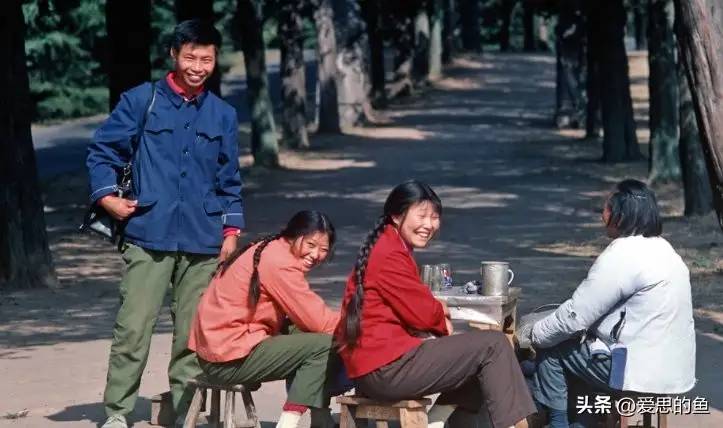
[
  {"x": 158, "y": 124},
  {"x": 211, "y": 204}
]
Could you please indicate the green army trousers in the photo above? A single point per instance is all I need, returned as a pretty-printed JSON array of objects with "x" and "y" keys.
[
  {"x": 305, "y": 360},
  {"x": 148, "y": 275}
]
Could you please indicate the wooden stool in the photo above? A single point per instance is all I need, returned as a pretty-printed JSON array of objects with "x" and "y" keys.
[
  {"x": 410, "y": 413},
  {"x": 214, "y": 418}
]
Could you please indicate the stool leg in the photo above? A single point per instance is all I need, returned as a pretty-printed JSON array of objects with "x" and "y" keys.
[
  {"x": 662, "y": 420},
  {"x": 228, "y": 413},
  {"x": 194, "y": 409},
  {"x": 250, "y": 407},
  {"x": 214, "y": 418},
  {"x": 413, "y": 418},
  {"x": 346, "y": 418}
]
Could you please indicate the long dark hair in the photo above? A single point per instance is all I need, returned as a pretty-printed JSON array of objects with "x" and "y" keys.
[
  {"x": 303, "y": 223},
  {"x": 398, "y": 202},
  {"x": 634, "y": 210}
]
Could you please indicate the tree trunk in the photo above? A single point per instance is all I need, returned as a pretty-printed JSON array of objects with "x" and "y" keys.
[
  {"x": 436, "y": 17},
  {"x": 352, "y": 63},
  {"x": 619, "y": 140},
  {"x": 25, "y": 259},
  {"x": 201, "y": 9},
  {"x": 293, "y": 82},
  {"x": 570, "y": 105},
  {"x": 700, "y": 36},
  {"x": 371, "y": 10},
  {"x": 403, "y": 40},
  {"x": 593, "y": 119},
  {"x": 420, "y": 65},
  {"x": 528, "y": 26},
  {"x": 640, "y": 24},
  {"x": 328, "y": 105},
  {"x": 129, "y": 52},
  {"x": 696, "y": 184},
  {"x": 449, "y": 38},
  {"x": 506, "y": 7},
  {"x": 471, "y": 27},
  {"x": 264, "y": 143},
  {"x": 664, "y": 160}
]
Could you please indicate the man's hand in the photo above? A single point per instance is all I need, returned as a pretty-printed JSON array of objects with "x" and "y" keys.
[
  {"x": 228, "y": 247},
  {"x": 118, "y": 208}
]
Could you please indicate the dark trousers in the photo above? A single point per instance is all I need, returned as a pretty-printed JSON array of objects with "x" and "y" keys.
[{"x": 468, "y": 369}]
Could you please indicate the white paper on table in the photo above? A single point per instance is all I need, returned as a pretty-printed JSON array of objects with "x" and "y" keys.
[{"x": 469, "y": 314}]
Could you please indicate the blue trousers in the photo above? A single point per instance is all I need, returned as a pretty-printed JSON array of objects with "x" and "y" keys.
[{"x": 561, "y": 366}]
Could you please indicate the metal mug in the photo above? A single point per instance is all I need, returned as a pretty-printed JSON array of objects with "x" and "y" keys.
[{"x": 496, "y": 278}]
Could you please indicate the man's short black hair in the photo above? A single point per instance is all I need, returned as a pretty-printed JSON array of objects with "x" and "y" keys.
[
  {"x": 634, "y": 210},
  {"x": 197, "y": 32}
]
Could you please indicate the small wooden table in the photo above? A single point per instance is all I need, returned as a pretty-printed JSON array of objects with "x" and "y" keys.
[{"x": 502, "y": 309}]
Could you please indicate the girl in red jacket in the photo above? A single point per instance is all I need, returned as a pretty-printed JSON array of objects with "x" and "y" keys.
[{"x": 386, "y": 306}]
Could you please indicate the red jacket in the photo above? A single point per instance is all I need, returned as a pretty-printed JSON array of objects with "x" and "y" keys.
[{"x": 396, "y": 302}]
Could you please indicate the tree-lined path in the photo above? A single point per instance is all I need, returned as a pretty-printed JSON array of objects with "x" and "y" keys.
[{"x": 513, "y": 188}]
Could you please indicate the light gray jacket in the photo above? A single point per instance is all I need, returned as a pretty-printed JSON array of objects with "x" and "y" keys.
[{"x": 648, "y": 280}]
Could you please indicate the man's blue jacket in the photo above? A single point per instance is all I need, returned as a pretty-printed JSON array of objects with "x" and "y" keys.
[{"x": 185, "y": 169}]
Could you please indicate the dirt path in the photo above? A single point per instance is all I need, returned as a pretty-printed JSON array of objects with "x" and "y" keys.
[{"x": 513, "y": 188}]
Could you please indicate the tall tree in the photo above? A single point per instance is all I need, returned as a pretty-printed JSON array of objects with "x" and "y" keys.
[
  {"x": 699, "y": 28},
  {"x": 505, "y": 10},
  {"x": 403, "y": 40},
  {"x": 640, "y": 24},
  {"x": 696, "y": 184},
  {"x": 293, "y": 81},
  {"x": 470, "y": 12},
  {"x": 570, "y": 56},
  {"x": 353, "y": 58},
  {"x": 25, "y": 259},
  {"x": 450, "y": 41},
  {"x": 619, "y": 140},
  {"x": 129, "y": 45},
  {"x": 528, "y": 26},
  {"x": 200, "y": 9},
  {"x": 436, "y": 22},
  {"x": 326, "y": 47},
  {"x": 371, "y": 10},
  {"x": 420, "y": 64},
  {"x": 264, "y": 143},
  {"x": 593, "y": 111},
  {"x": 663, "y": 87}
]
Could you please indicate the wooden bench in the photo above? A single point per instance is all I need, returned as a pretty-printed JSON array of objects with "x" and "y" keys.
[
  {"x": 214, "y": 417},
  {"x": 410, "y": 413}
]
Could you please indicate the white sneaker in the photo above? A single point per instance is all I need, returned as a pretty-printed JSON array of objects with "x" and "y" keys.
[{"x": 115, "y": 421}]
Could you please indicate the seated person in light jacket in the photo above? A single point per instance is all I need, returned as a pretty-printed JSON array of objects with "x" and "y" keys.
[
  {"x": 386, "y": 305},
  {"x": 236, "y": 330},
  {"x": 634, "y": 308}
]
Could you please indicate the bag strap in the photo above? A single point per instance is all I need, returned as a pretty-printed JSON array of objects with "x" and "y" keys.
[{"x": 144, "y": 119}]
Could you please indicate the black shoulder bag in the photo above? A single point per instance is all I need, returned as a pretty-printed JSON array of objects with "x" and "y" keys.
[{"x": 96, "y": 219}]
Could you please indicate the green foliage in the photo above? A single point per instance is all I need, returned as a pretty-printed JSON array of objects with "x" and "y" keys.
[{"x": 64, "y": 44}]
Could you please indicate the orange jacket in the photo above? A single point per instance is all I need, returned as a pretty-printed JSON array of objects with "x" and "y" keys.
[{"x": 226, "y": 329}]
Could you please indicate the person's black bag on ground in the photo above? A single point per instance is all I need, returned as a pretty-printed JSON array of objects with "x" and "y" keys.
[{"x": 96, "y": 219}]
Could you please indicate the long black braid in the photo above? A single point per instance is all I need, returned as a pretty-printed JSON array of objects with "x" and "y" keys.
[{"x": 352, "y": 327}]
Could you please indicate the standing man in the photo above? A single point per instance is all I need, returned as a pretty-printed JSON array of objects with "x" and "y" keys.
[{"x": 184, "y": 216}]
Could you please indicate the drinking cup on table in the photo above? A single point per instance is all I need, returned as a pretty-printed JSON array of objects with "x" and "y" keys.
[
  {"x": 436, "y": 279},
  {"x": 425, "y": 274},
  {"x": 496, "y": 278},
  {"x": 446, "y": 275}
]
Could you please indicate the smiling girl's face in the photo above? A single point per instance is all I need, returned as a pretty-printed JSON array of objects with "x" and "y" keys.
[
  {"x": 311, "y": 249},
  {"x": 418, "y": 225}
]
